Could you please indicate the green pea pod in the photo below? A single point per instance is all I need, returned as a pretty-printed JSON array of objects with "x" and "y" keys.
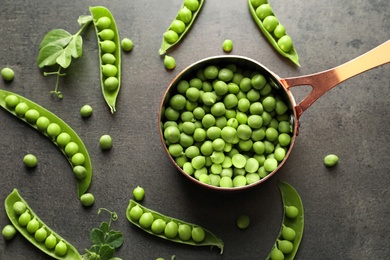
[
  {"x": 290, "y": 197},
  {"x": 110, "y": 94},
  {"x": 165, "y": 45},
  {"x": 82, "y": 183},
  {"x": 71, "y": 252},
  {"x": 209, "y": 239},
  {"x": 271, "y": 36}
]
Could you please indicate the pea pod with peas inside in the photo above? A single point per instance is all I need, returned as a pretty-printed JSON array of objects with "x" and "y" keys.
[
  {"x": 109, "y": 54},
  {"x": 170, "y": 228},
  {"x": 35, "y": 230},
  {"x": 62, "y": 135},
  {"x": 291, "y": 231},
  {"x": 181, "y": 24},
  {"x": 273, "y": 30}
]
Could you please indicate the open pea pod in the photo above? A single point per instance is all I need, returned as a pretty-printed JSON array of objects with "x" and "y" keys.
[
  {"x": 209, "y": 238},
  {"x": 294, "y": 221},
  {"x": 70, "y": 253},
  {"x": 165, "y": 45},
  {"x": 292, "y": 53},
  {"x": 10, "y": 101},
  {"x": 110, "y": 94}
]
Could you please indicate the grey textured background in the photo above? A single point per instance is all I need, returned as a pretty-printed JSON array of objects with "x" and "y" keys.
[{"x": 346, "y": 208}]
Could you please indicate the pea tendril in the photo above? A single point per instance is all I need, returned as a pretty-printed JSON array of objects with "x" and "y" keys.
[{"x": 59, "y": 74}]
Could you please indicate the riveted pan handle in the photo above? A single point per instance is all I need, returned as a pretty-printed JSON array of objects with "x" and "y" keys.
[{"x": 322, "y": 82}]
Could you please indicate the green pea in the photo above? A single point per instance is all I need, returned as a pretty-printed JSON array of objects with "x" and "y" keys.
[
  {"x": 171, "y": 36},
  {"x": 106, "y": 34},
  {"x": 285, "y": 43},
  {"x": 211, "y": 72},
  {"x": 263, "y": 11},
  {"x": 279, "y": 31},
  {"x": 53, "y": 130},
  {"x": 252, "y": 178},
  {"x": 169, "y": 62},
  {"x": 291, "y": 212},
  {"x": 270, "y": 22},
  {"x": 288, "y": 233},
  {"x": 280, "y": 153},
  {"x": 255, "y": 121},
  {"x": 146, "y": 220},
  {"x": 331, "y": 160},
  {"x": 193, "y": 5},
  {"x": 239, "y": 181},
  {"x": 40, "y": 235},
  {"x": 108, "y": 58},
  {"x": 270, "y": 164},
  {"x": 139, "y": 193},
  {"x": 21, "y": 109},
  {"x": 136, "y": 212},
  {"x": 63, "y": 139},
  {"x": 244, "y": 132},
  {"x": 252, "y": 165},
  {"x": 86, "y": 111},
  {"x": 285, "y": 246},
  {"x": 80, "y": 172},
  {"x": 19, "y": 207},
  {"x": 276, "y": 254},
  {"x": 184, "y": 231},
  {"x": 172, "y": 134},
  {"x": 185, "y": 14},
  {"x": 198, "y": 234},
  {"x": 243, "y": 221},
  {"x": 208, "y": 121},
  {"x": 198, "y": 162},
  {"x": 11, "y": 101},
  {"x": 8, "y": 232},
  {"x": 24, "y": 219},
  {"x": 105, "y": 142},
  {"x": 256, "y": 3},
  {"x": 108, "y": 46},
  {"x": 32, "y": 116},
  {"x": 239, "y": 160},
  {"x": 71, "y": 148},
  {"x": 158, "y": 226},
  {"x": 220, "y": 88},
  {"x": 127, "y": 44},
  {"x": 30, "y": 160},
  {"x": 227, "y": 45},
  {"x": 42, "y": 123},
  {"x": 109, "y": 70},
  {"x": 32, "y": 226},
  {"x": 61, "y": 248},
  {"x": 200, "y": 134},
  {"x": 78, "y": 159},
  {"x": 7, "y": 74},
  {"x": 177, "y": 26},
  {"x": 271, "y": 134},
  {"x": 87, "y": 199},
  {"x": 103, "y": 23},
  {"x": 111, "y": 83},
  {"x": 225, "y": 75},
  {"x": 171, "y": 229},
  {"x": 50, "y": 241},
  {"x": 226, "y": 182}
]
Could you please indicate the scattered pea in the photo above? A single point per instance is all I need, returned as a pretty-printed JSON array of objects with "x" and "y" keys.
[
  {"x": 169, "y": 62},
  {"x": 7, "y": 74},
  {"x": 86, "y": 111},
  {"x": 105, "y": 142},
  {"x": 87, "y": 199},
  {"x": 139, "y": 193},
  {"x": 30, "y": 160},
  {"x": 127, "y": 44},
  {"x": 8, "y": 232},
  {"x": 331, "y": 160},
  {"x": 243, "y": 221},
  {"x": 227, "y": 45}
]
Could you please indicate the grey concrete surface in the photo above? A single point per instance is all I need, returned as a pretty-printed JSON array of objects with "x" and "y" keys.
[{"x": 346, "y": 208}]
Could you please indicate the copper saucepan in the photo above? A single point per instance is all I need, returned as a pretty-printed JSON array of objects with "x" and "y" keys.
[{"x": 320, "y": 82}]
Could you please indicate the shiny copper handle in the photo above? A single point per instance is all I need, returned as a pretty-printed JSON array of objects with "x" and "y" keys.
[{"x": 322, "y": 82}]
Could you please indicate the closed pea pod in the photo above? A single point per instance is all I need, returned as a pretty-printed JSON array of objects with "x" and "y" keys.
[
  {"x": 275, "y": 32},
  {"x": 51, "y": 126},
  {"x": 108, "y": 43},
  {"x": 181, "y": 24},
  {"x": 175, "y": 230},
  {"x": 291, "y": 230},
  {"x": 43, "y": 238}
]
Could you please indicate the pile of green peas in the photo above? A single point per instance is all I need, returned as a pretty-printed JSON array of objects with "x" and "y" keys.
[
  {"x": 226, "y": 126},
  {"x": 38, "y": 230},
  {"x": 265, "y": 13},
  {"x": 54, "y": 128},
  {"x": 108, "y": 45}
]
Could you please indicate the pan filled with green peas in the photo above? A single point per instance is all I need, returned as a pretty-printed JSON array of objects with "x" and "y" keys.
[{"x": 229, "y": 123}]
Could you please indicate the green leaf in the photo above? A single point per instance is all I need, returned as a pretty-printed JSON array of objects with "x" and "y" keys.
[
  {"x": 83, "y": 19},
  {"x": 114, "y": 239},
  {"x": 104, "y": 227},
  {"x": 66, "y": 56},
  {"x": 58, "y": 37},
  {"x": 97, "y": 236},
  {"x": 94, "y": 249},
  {"x": 106, "y": 252},
  {"x": 48, "y": 55},
  {"x": 78, "y": 50}
]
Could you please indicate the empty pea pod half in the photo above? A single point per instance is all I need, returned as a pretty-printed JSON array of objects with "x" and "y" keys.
[
  {"x": 62, "y": 135},
  {"x": 109, "y": 54},
  {"x": 181, "y": 24},
  {"x": 273, "y": 30},
  {"x": 170, "y": 228},
  {"x": 34, "y": 229},
  {"x": 291, "y": 231}
]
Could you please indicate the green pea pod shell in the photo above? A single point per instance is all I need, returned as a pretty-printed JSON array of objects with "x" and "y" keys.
[
  {"x": 82, "y": 184},
  {"x": 14, "y": 196},
  {"x": 290, "y": 197},
  {"x": 165, "y": 46},
  {"x": 209, "y": 240},
  {"x": 292, "y": 54},
  {"x": 110, "y": 96}
]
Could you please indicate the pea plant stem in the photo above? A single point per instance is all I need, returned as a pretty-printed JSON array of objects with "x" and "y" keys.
[{"x": 59, "y": 74}]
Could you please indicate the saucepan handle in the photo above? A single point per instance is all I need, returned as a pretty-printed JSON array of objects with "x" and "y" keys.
[{"x": 322, "y": 82}]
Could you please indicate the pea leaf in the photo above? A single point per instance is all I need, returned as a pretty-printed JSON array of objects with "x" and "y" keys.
[
  {"x": 78, "y": 49},
  {"x": 48, "y": 55},
  {"x": 66, "y": 56},
  {"x": 104, "y": 227},
  {"x": 106, "y": 252},
  {"x": 84, "y": 19},
  {"x": 114, "y": 239},
  {"x": 97, "y": 236},
  {"x": 58, "y": 37}
]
